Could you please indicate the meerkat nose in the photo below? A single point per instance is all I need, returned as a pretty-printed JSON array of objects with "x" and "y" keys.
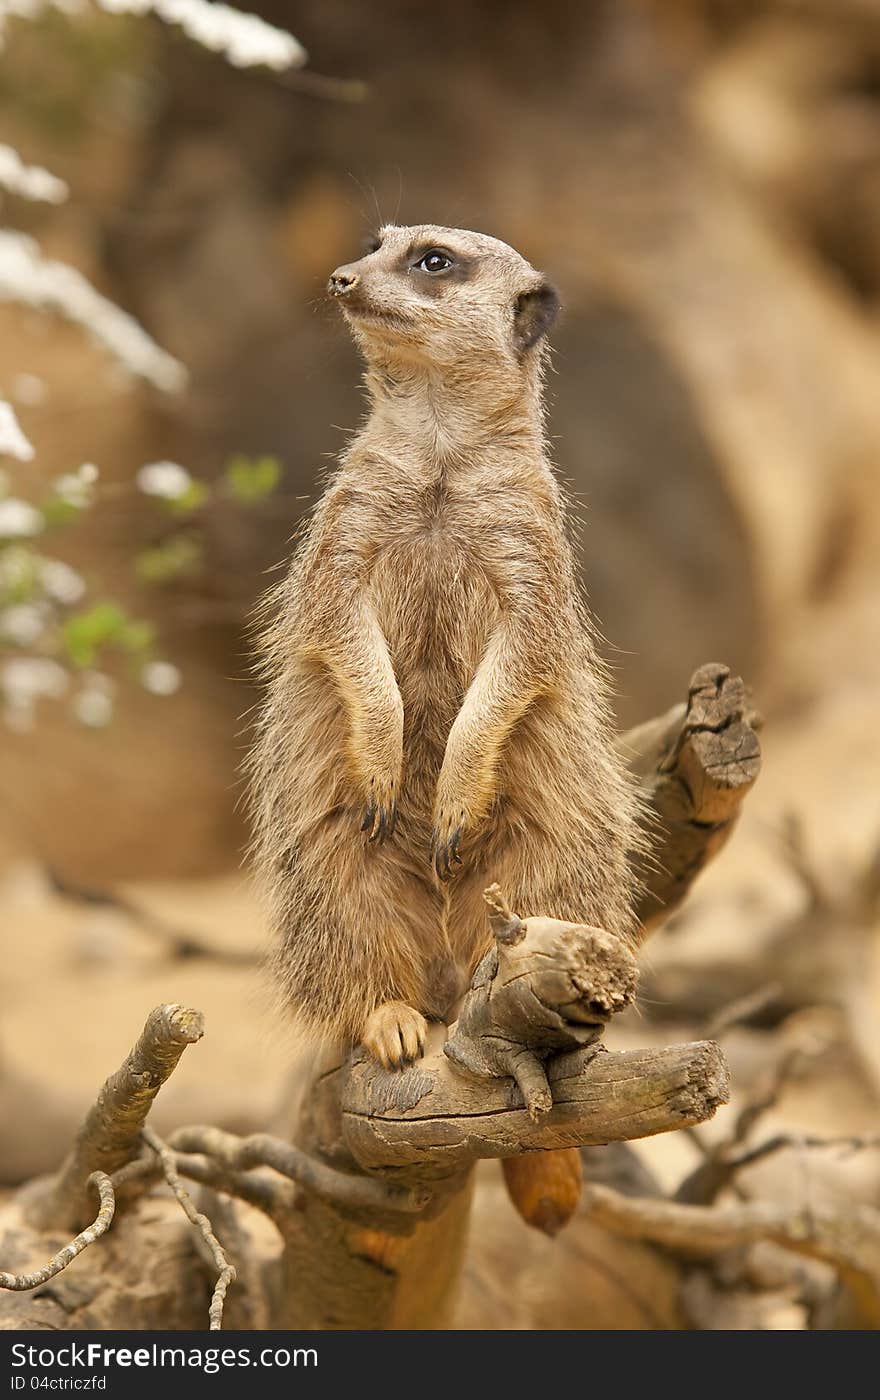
[{"x": 342, "y": 281}]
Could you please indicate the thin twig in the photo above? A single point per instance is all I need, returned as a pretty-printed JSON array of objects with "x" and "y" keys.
[
  {"x": 225, "y": 1270},
  {"x": 768, "y": 1093},
  {"x": 59, "y": 1261},
  {"x": 263, "y": 1150},
  {"x": 721, "y": 1162},
  {"x": 179, "y": 943},
  {"x": 792, "y": 844},
  {"x": 782, "y": 1141},
  {"x": 737, "y": 1012},
  {"x": 271, "y": 1195}
]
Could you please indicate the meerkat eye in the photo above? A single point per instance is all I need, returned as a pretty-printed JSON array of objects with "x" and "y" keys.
[{"x": 434, "y": 261}]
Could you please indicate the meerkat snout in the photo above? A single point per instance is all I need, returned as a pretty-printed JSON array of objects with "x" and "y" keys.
[{"x": 342, "y": 281}]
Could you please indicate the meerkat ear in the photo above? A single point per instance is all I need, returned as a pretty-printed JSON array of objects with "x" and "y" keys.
[{"x": 533, "y": 314}]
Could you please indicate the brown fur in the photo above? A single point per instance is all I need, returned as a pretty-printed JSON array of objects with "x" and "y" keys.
[{"x": 429, "y": 652}]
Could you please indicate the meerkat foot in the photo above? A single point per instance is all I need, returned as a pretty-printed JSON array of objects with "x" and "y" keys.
[{"x": 395, "y": 1034}]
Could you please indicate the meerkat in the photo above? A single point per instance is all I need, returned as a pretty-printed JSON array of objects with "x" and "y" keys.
[{"x": 436, "y": 715}]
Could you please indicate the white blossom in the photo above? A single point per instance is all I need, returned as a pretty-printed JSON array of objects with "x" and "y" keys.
[
  {"x": 76, "y": 488},
  {"x": 168, "y": 480},
  {"x": 93, "y": 709},
  {"x": 32, "y": 677},
  {"x": 29, "y": 181},
  {"x": 93, "y": 703},
  {"x": 18, "y": 519},
  {"x": 22, "y": 624},
  {"x": 245, "y": 40},
  {"x": 29, "y": 389},
  {"x": 31, "y": 279},
  {"x": 17, "y": 570},
  {"x": 161, "y": 678},
  {"x": 60, "y": 582},
  {"x": 13, "y": 442}
]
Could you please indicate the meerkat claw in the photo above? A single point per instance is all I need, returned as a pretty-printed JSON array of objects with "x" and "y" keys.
[
  {"x": 446, "y": 855},
  {"x": 379, "y": 821}
]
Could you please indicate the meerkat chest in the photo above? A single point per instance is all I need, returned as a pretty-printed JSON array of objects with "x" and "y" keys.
[{"x": 430, "y": 587}]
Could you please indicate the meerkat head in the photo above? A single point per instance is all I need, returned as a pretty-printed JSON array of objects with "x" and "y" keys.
[{"x": 445, "y": 296}]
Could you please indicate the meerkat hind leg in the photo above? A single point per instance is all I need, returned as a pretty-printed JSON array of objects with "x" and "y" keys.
[{"x": 395, "y": 1034}]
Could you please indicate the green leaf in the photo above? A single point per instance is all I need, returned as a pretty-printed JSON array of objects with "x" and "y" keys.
[
  {"x": 167, "y": 561},
  {"x": 191, "y": 500},
  {"x": 250, "y": 479},
  {"x": 20, "y": 575},
  {"x": 58, "y": 511},
  {"x": 137, "y": 637},
  {"x": 86, "y": 633}
]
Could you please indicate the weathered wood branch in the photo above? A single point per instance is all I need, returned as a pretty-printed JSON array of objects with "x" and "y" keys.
[
  {"x": 110, "y": 1135},
  {"x": 433, "y": 1121},
  {"x": 545, "y": 987},
  {"x": 237, "y": 1155},
  {"x": 695, "y": 765}
]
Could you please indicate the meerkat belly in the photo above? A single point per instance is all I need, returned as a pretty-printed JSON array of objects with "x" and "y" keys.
[{"x": 437, "y": 613}]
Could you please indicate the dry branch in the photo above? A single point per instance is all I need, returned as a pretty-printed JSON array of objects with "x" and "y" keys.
[
  {"x": 848, "y": 1238},
  {"x": 236, "y": 1155},
  {"x": 433, "y": 1119},
  {"x": 225, "y": 1270},
  {"x": 545, "y": 987},
  {"x": 99, "y": 1226},
  {"x": 271, "y": 1196},
  {"x": 179, "y": 943},
  {"x": 695, "y": 765},
  {"x": 110, "y": 1135}
]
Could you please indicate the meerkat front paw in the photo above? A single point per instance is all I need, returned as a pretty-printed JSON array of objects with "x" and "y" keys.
[
  {"x": 449, "y": 828},
  {"x": 395, "y": 1034},
  {"x": 380, "y": 813}
]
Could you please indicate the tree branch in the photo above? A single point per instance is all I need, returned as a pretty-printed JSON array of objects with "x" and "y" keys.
[
  {"x": 99, "y": 1226},
  {"x": 695, "y": 765},
  {"x": 237, "y": 1155},
  {"x": 433, "y": 1120},
  {"x": 848, "y": 1239},
  {"x": 179, "y": 942},
  {"x": 110, "y": 1135},
  {"x": 225, "y": 1270}
]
